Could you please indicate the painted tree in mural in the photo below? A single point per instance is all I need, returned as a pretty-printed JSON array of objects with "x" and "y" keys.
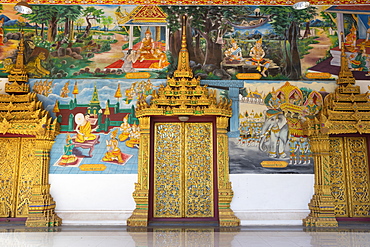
[
  {"x": 90, "y": 14},
  {"x": 204, "y": 23},
  {"x": 286, "y": 22},
  {"x": 329, "y": 19},
  {"x": 106, "y": 22},
  {"x": 51, "y": 15},
  {"x": 71, "y": 13},
  {"x": 39, "y": 18}
]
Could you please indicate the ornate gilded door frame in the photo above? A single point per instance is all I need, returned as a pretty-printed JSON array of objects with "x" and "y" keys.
[
  {"x": 345, "y": 111},
  {"x": 183, "y": 97},
  {"x": 181, "y": 212},
  {"x": 350, "y": 181}
]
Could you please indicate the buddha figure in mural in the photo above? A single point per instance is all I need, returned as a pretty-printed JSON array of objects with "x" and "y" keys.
[
  {"x": 147, "y": 46},
  {"x": 84, "y": 129},
  {"x": 257, "y": 58}
]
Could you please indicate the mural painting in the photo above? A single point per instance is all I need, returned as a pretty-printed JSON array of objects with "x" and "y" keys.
[
  {"x": 270, "y": 123},
  {"x": 224, "y": 42},
  {"x": 99, "y": 130}
]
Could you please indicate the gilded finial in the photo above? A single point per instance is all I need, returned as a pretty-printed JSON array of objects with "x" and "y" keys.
[
  {"x": 183, "y": 66},
  {"x": 345, "y": 75}
]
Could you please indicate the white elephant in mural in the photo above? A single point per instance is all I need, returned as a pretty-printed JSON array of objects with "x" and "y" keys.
[{"x": 274, "y": 134}]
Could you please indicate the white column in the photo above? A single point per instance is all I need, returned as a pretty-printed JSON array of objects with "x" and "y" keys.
[
  {"x": 131, "y": 37},
  {"x": 340, "y": 27}
]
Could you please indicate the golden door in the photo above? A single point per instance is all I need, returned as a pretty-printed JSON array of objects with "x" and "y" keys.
[
  {"x": 183, "y": 179},
  {"x": 17, "y": 173},
  {"x": 349, "y": 173}
]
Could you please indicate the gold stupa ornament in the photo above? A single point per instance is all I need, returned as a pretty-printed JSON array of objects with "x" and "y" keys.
[
  {"x": 183, "y": 94},
  {"x": 197, "y": 142},
  {"x": 18, "y": 77},
  {"x": 340, "y": 161},
  {"x": 27, "y": 133}
]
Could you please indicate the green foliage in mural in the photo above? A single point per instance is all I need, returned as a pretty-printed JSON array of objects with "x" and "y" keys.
[
  {"x": 287, "y": 22},
  {"x": 206, "y": 22}
]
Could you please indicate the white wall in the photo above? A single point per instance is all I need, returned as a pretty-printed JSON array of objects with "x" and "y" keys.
[{"x": 107, "y": 199}]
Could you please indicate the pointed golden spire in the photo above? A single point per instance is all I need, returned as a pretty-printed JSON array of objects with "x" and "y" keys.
[
  {"x": 345, "y": 75},
  {"x": 75, "y": 89},
  {"x": 183, "y": 66},
  {"x": 18, "y": 77}
]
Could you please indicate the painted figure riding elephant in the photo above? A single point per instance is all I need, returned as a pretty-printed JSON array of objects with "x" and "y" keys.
[{"x": 274, "y": 134}]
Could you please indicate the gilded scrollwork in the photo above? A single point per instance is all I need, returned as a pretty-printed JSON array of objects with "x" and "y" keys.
[
  {"x": 168, "y": 186},
  {"x": 8, "y": 176},
  {"x": 198, "y": 170}
]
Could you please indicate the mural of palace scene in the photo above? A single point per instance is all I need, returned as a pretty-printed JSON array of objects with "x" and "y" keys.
[
  {"x": 99, "y": 130},
  {"x": 270, "y": 123},
  {"x": 224, "y": 42}
]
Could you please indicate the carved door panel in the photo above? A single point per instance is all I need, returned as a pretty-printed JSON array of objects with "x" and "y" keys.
[
  {"x": 16, "y": 176},
  {"x": 350, "y": 176},
  {"x": 183, "y": 180}
]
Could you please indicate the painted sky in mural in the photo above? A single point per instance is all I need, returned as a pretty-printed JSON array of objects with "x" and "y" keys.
[{"x": 227, "y": 42}]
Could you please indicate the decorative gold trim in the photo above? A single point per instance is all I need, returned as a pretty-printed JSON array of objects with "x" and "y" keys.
[
  {"x": 193, "y": 2},
  {"x": 344, "y": 111},
  {"x": 22, "y": 115},
  {"x": 225, "y": 192}
]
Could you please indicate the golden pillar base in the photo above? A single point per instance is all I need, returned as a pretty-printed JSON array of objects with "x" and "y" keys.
[
  {"x": 139, "y": 217},
  {"x": 322, "y": 212},
  {"x": 226, "y": 215},
  {"x": 41, "y": 208}
]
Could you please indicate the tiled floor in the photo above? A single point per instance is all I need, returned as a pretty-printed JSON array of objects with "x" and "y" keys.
[{"x": 346, "y": 235}]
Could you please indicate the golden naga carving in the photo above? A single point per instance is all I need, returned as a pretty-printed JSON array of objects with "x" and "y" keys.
[
  {"x": 27, "y": 133},
  {"x": 183, "y": 96},
  {"x": 344, "y": 111}
]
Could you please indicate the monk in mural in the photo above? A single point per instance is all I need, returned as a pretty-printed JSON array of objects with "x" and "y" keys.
[
  {"x": 161, "y": 56},
  {"x": 84, "y": 129}
]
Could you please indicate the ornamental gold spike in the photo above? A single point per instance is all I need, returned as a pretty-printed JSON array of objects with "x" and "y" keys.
[
  {"x": 345, "y": 75},
  {"x": 183, "y": 67},
  {"x": 18, "y": 77}
]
